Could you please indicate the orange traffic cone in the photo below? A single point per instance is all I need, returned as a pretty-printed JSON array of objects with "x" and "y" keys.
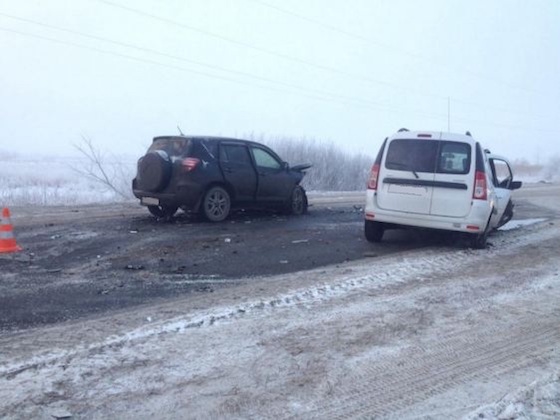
[{"x": 7, "y": 240}]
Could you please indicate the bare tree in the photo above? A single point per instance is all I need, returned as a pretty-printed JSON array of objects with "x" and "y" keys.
[
  {"x": 334, "y": 169},
  {"x": 99, "y": 169}
]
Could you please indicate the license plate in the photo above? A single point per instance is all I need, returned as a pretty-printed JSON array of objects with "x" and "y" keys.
[
  {"x": 149, "y": 201},
  {"x": 417, "y": 190}
]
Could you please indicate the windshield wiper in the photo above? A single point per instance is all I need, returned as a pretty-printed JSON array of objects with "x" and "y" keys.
[{"x": 403, "y": 166}]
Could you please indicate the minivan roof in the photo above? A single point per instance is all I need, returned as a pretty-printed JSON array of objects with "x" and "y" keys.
[{"x": 433, "y": 135}]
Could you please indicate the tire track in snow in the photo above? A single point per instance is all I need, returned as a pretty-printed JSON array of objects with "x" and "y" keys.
[{"x": 386, "y": 388}]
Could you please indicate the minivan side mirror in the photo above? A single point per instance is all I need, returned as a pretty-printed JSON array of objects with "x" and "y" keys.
[{"x": 515, "y": 185}]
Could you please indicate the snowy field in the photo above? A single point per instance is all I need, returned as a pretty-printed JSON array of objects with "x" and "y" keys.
[
  {"x": 46, "y": 181},
  {"x": 50, "y": 181}
]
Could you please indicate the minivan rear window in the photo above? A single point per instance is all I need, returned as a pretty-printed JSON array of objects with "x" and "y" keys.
[{"x": 447, "y": 157}]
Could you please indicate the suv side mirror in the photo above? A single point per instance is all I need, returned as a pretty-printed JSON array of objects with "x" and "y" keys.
[
  {"x": 286, "y": 166},
  {"x": 515, "y": 185}
]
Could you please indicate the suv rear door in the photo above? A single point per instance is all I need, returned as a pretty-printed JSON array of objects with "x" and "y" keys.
[{"x": 238, "y": 170}]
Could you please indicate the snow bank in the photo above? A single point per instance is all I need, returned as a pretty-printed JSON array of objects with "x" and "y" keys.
[{"x": 541, "y": 399}]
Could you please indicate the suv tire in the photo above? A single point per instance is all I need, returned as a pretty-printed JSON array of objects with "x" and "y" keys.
[
  {"x": 374, "y": 231},
  {"x": 162, "y": 211},
  {"x": 155, "y": 171},
  {"x": 216, "y": 204},
  {"x": 298, "y": 202}
]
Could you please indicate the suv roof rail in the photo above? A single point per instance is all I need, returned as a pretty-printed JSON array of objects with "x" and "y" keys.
[
  {"x": 468, "y": 133},
  {"x": 403, "y": 129}
]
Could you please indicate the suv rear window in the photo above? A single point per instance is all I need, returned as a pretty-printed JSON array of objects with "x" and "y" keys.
[
  {"x": 173, "y": 146},
  {"x": 447, "y": 157}
]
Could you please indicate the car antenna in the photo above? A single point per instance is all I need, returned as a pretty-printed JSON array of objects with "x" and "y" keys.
[{"x": 180, "y": 132}]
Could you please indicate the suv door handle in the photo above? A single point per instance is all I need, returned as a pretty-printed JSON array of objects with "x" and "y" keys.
[{"x": 228, "y": 170}]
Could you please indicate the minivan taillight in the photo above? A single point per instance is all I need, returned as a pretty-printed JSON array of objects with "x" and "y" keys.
[
  {"x": 479, "y": 192},
  {"x": 374, "y": 174},
  {"x": 190, "y": 164}
]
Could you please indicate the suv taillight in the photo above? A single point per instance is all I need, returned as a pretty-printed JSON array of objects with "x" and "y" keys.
[
  {"x": 190, "y": 164},
  {"x": 374, "y": 174},
  {"x": 479, "y": 192}
]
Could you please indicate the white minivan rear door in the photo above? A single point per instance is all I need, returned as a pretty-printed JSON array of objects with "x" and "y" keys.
[
  {"x": 406, "y": 176},
  {"x": 454, "y": 179}
]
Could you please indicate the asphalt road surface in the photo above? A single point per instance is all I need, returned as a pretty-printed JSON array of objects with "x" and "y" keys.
[{"x": 83, "y": 260}]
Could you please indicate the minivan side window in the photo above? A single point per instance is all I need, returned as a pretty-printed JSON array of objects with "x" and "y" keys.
[{"x": 501, "y": 173}]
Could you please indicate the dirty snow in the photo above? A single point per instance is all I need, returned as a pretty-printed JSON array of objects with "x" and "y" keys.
[
  {"x": 516, "y": 224},
  {"x": 539, "y": 400},
  {"x": 428, "y": 334}
]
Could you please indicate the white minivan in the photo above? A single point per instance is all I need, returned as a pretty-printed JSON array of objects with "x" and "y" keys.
[{"x": 438, "y": 180}]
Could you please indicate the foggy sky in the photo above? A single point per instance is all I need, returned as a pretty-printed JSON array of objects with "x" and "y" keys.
[{"x": 348, "y": 71}]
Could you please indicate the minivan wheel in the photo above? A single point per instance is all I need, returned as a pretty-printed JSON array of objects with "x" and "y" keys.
[
  {"x": 162, "y": 211},
  {"x": 216, "y": 204},
  {"x": 298, "y": 202},
  {"x": 374, "y": 231},
  {"x": 480, "y": 241}
]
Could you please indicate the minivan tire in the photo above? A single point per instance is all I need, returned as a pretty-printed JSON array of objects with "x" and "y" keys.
[
  {"x": 373, "y": 231},
  {"x": 216, "y": 204},
  {"x": 480, "y": 241}
]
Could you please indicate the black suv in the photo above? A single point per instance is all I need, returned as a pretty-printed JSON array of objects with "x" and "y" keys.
[{"x": 212, "y": 175}]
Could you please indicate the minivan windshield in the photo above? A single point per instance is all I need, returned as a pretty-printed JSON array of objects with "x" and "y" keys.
[{"x": 447, "y": 157}]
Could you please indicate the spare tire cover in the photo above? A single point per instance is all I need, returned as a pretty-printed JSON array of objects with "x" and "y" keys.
[{"x": 154, "y": 171}]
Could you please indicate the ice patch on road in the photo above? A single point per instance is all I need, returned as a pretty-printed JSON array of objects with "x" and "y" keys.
[{"x": 516, "y": 224}]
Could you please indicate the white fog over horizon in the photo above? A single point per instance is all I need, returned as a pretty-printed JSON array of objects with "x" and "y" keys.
[{"x": 348, "y": 73}]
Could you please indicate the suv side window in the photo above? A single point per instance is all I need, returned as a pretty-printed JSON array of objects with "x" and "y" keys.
[
  {"x": 263, "y": 159},
  {"x": 232, "y": 153}
]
